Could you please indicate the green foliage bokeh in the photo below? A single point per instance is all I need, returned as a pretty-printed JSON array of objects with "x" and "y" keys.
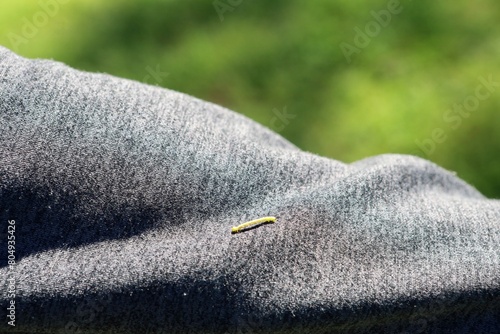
[{"x": 261, "y": 57}]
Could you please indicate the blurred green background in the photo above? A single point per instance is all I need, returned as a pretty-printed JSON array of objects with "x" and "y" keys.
[{"x": 354, "y": 86}]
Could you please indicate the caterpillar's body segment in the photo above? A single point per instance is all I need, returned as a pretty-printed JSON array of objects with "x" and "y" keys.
[{"x": 243, "y": 226}]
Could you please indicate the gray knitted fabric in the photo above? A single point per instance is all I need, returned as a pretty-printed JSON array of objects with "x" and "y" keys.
[{"x": 124, "y": 195}]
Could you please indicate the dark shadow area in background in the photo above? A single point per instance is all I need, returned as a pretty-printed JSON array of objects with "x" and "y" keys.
[
  {"x": 215, "y": 307},
  {"x": 43, "y": 223}
]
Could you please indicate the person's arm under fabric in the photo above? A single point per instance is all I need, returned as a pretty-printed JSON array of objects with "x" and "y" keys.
[{"x": 124, "y": 196}]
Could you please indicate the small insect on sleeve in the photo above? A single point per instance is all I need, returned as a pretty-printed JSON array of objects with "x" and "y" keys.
[{"x": 251, "y": 223}]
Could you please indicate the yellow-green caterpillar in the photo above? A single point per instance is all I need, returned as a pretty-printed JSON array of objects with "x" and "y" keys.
[{"x": 243, "y": 226}]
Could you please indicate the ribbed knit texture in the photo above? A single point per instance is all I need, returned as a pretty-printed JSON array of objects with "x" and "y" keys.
[{"x": 124, "y": 196}]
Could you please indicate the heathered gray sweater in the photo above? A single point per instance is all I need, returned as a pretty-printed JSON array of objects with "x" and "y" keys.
[{"x": 123, "y": 196}]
